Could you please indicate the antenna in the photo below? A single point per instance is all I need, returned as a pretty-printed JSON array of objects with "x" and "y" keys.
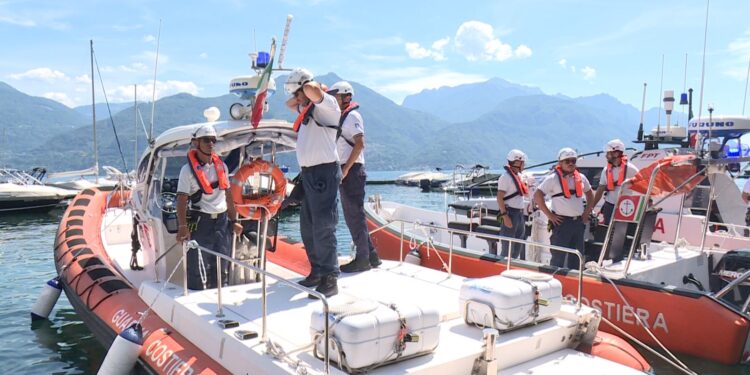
[
  {"x": 93, "y": 112},
  {"x": 661, "y": 86},
  {"x": 643, "y": 108},
  {"x": 744, "y": 97},
  {"x": 284, "y": 40},
  {"x": 135, "y": 127},
  {"x": 684, "y": 85},
  {"x": 703, "y": 65},
  {"x": 153, "y": 94}
]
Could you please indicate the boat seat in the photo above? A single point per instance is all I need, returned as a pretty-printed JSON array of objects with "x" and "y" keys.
[
  {"x": 491, "y": 241},
  {"x": 469, "y": 227}
]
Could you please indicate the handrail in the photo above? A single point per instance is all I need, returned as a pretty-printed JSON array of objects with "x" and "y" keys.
[
  {"x": 452, "y": 231},
  {"x": 734, "y": 227},
  {"x": 280, "y": 279}
]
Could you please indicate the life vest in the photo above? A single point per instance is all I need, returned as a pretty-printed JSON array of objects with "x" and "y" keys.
[
  {"x": 197, "y": 168},
  {"x": 521, "y": 187},
  {"x": 351, "y": 107},
  {"x": 611, "y": 184},
  {"x": 564, "y": 183},
  {"x": 304, "y": 118}
]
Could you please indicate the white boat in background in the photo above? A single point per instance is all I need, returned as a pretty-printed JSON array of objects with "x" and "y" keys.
[
  {"x": 87, "y": 179},
  {"x": 21, "y": 191},
  {"x": 414, "y": 178}
]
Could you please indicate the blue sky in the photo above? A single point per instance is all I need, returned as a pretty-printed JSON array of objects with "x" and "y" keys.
[{"x": 572, "y": 47}]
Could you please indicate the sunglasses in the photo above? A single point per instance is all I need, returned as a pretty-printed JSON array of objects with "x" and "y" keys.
[
  {"x": 569, "y": 161},
  {"x": 208, "y": 140}
]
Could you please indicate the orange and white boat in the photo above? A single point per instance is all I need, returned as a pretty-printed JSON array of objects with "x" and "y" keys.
[{"x": 691, "y": 275}]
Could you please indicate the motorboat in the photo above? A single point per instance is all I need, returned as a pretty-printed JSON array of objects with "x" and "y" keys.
[
  {"x": 399, "y": 318},
  {"x": 432, "y": 179},
  {"x": 472, "y": 181},
  {"x": 668, "y": 268},
  {"x": 86, "y": 178},
  {"x": 24, "y": 191}
]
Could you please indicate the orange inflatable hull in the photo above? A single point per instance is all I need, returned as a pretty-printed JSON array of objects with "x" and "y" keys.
[{"x": 684, "y": 321}]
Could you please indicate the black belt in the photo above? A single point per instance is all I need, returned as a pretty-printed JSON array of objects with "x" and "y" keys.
[
  {"x": 568, "y": 217},
  {"x": 511, "y": 209},
  {"x": 207, "y": 215},
  {"x": 319, "y": 165},
  {"x": 353, "y": 165}
]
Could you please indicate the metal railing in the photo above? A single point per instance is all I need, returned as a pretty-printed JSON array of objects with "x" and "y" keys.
[
  {"x": 452, "y": 232},
  {"x": 264, "y": 287}
]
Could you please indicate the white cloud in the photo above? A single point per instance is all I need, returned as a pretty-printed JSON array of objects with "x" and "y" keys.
[
  {"x": 563, "y": 63},
  {"x": 45, "y": 74},
  {"x": 203, "y": 55},
  {"x": 60, "y": 97},
  {"x": 739, "y": 49},
  {"x": 149, "y": 38},
  {"x": 150, "y": 56},
  {"x": 124, "y": 93},
  {"x": 83, "y": 78},
  {"x": 478, "y": 42},
  {"x": 436, "y": 52},
  {"x": 523, "y": 51},
  {"x": 398, "y": 83},
  {"x": 588, "y": 72},
  {"x": 17, "y": 20}
]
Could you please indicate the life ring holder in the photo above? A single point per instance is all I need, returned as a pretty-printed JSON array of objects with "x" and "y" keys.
[{"x": 246, "y": 204}]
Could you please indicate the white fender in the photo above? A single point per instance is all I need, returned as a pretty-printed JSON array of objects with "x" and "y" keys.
[
  {"x": 46, "y": 301},
  {"x": 123, "y": 353}
]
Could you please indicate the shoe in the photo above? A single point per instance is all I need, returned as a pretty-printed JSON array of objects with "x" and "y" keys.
[
  {"x": 357, "y": 265},
  {"x": 309, "y": 281},
  {"x": 374, "y": 259},
  {"x": 328, "y": 287}
]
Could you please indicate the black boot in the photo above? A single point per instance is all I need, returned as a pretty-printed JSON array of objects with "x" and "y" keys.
[
  {"x": 328, "y": 286},
  {"x": 357, "y": 265},
  {"x": 309, "y": 281},
  {"x": 374, "y": 259}
]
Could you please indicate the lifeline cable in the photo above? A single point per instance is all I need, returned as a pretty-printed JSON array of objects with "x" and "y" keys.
[{"x": 112, "y": 121}]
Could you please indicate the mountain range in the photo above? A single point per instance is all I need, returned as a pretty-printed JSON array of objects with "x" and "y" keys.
[{"x": 467, "y": 124}]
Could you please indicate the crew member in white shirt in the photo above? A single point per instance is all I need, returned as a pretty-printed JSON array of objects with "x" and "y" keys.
[
  {"x": 612, "y": 177},
  {"x": 746, "y": 198},
  {"x": 511, "y": 191},
  {"x": 317, "y": 124},
  {"x": 566, "y": 188},
  {"x": 350, "y": 146}
]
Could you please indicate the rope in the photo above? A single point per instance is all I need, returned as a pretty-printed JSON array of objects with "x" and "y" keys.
[
  {"x": 595, "y": 267},
  {"x": 164, "y": 285},
  {"x": 277, "y": 352},
  {"x": 202, "y": 268}
]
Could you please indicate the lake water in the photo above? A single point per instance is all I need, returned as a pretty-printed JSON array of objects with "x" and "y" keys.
[{"x": 64, "y": 345}]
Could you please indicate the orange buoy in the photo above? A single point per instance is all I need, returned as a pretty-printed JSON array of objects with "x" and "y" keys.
[{"x": 246, "y": 199}]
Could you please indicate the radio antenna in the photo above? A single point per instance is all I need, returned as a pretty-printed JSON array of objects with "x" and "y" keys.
[
  {"x": 284, "y": 40},
  {"x": 153, "y": 94}
]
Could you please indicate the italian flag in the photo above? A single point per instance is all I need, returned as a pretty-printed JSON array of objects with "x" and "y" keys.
[{"x": 262, "y": 89}]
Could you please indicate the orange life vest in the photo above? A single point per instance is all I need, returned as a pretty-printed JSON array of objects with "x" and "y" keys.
[
  {"x": 521, "y": 187},
  {"x": 611, "y": 184},
  {"x": 564, "y": 183},
  {"x": 197, "y": 168},
  {"x": 351, "y": 107},
  {"x": 303, "y": 117}
]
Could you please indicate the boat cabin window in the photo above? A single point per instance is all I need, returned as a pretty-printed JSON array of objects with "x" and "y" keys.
[{"x": 593, "y": 174}]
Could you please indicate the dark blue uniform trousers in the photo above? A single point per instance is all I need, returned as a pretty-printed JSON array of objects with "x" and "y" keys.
[
  {"x": 568, "y": 234},
  {"x": 212, "y": 234},
  {"x": 319, "y": 216},
  {"x": 518, "y": 230},
  {"x": 352, "y": 192}
]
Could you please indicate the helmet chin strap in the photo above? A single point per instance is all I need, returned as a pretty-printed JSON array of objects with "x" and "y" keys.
[{"x": 202, "y": 152}]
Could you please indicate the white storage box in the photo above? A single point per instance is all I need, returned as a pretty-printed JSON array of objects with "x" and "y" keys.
[
  {"x": 512, "y": 298},
  {"x": 369, "y": 335}
]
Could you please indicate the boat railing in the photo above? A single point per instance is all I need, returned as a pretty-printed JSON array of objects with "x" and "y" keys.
[
  {"x": 733, "y": 230},
  {"x": 451, "y": 231},
  {"x": 264, "y": 292}
]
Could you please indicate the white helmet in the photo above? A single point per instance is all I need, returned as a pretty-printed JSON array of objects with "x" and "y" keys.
[
  {"x": 296, "y": 79},
  {"x": 205, "y": 131},
  {"x": 566, "y": 153},
  {"x": 341, "y": 88},
  {"x": 614, "y": 145},
  {"x": 516, "y": 155}
]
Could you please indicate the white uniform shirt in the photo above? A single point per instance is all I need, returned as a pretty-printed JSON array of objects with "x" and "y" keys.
[
  {"x": 572, "y": 206},
  {"x": 214, "y": 203},
  {"x": 611, "y": 196},
  {"x": 317, "y": 144},
  {"x": 352, "y": 126},
  {"x": 505, "y": 183},
  {"x": 746, "y": 189}
]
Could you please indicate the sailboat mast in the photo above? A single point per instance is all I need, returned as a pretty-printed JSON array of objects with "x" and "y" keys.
[
  {"x": 93, "y": 113},
  {"x": 135, "y": 127}
]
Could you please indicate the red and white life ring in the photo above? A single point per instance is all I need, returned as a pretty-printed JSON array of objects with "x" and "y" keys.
[{"x": 271, "y": 201}]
